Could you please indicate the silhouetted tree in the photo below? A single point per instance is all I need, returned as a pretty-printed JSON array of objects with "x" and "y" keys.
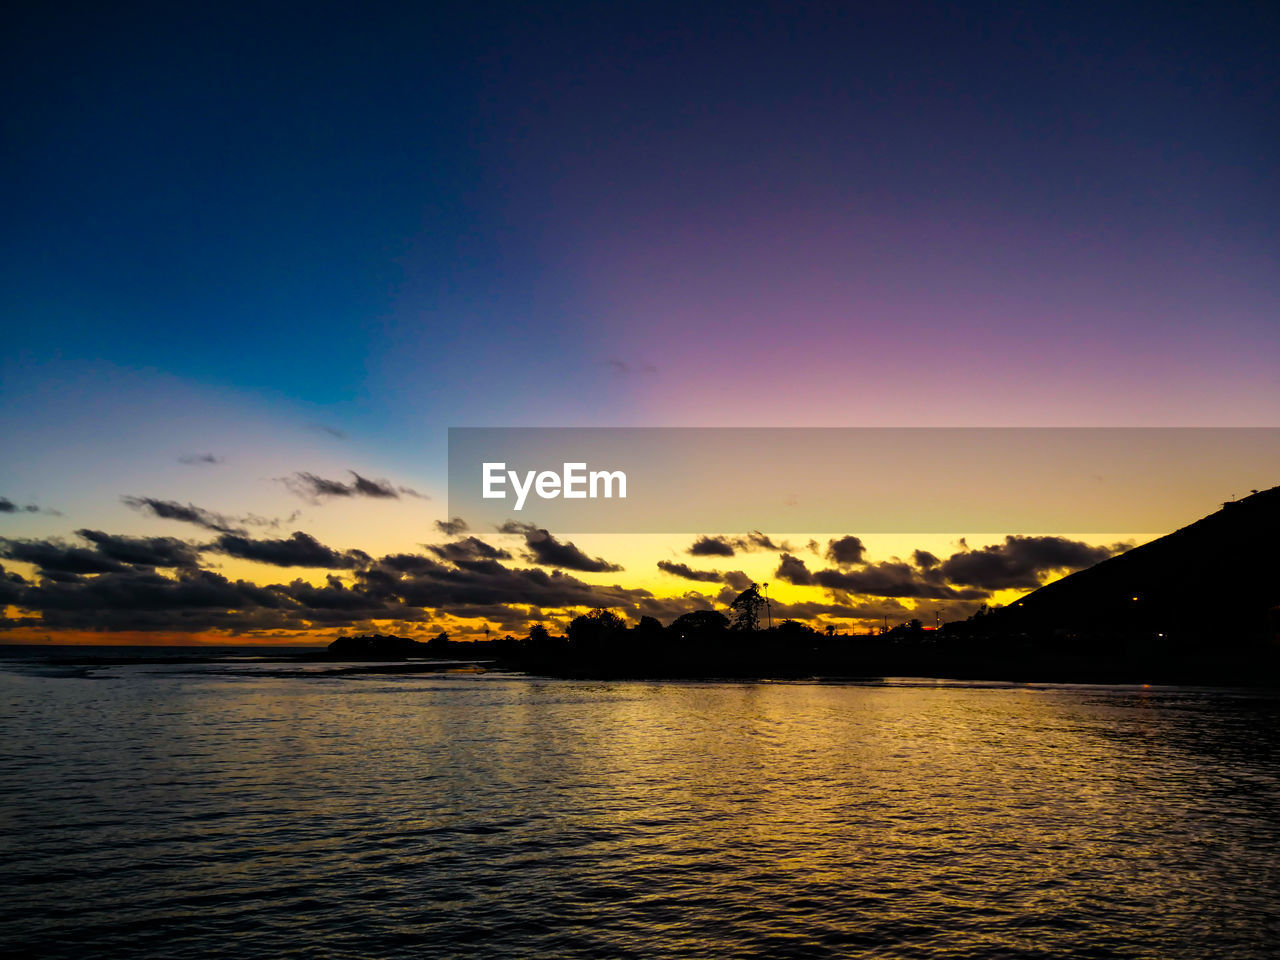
[
  {"x": 699, "y": 623},
  {"x": 593, "y": 628},
  {"x": 746, "y": 609},
  {"x": 649, "y": 628},
  {"x": 794, "y": 630}
]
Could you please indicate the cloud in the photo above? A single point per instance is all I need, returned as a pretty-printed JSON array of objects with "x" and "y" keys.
[
  {"x": 364, "y": 487},
  {"x": 144, "y": 551},
  {"x": 793, "y": 570},
  {"x": 115, "y": 582},
  {"x": 190, "y": 513},
  {"x": 327, "y": 430},
  {"x": 427, "y": 583},
  {"x": 142, "y": 599},
  {"x": 545, "y": 549},
  {"x": 54, "y": 556},
  {"x": 892, "y": 579},
  {"x": 755, "y": 540},
  {"x": 314, "y": 488},
  {"x": 1021, "y": 562},
  {"x": 624, "y": 369},
  {"x": 469, "y": 548},
  {"x": 199, "y": 459},
  {"x": 91, "y": 591},
  {"x": 1018, "y": 563},
  {"x": 412, "y": 563},
  {"x": 722, "y": 546},
  {"x": 925, "y": 560},
  {"x": 887, "y": 579},
  {"x": 452, "y": 527},
  {"x": 298, "y": 550},
  {"x": 8, "y": 506},
  {"x": 711, "y": 547},
  {"x": 846, "y": 552},
  {"x": 688, "y": 573}
]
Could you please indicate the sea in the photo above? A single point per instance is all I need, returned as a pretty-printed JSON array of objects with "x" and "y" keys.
[{"x": 227, "y": 804}]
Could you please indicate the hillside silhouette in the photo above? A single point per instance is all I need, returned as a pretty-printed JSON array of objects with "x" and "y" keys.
[{"x": 1212, "y": 584}]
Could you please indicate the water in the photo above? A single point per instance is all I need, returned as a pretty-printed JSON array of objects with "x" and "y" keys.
[{"x": 239, "y": 810}]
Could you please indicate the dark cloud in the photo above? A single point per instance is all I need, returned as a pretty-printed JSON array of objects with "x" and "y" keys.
[
  {"x": 412, "y": 563},
  {"x": 925, "y": 560},
  {"x": 199, "y": 459},
  {"x": 144, "y": 551},
  {"x": 846, "y": 551},
  {"x": 1021, "y": 562},
  {"x": 793, "y": 570},
  {"x": 755, "y": 540},
  {"x": 11, "y": 586},
  {"x": 334, "y": 596},
  {"x": 452, "y": 527},
  {"x": 190, "y": 513},
  {"x": 54, "y": 556},
  {"x": 364, "y": 487},
  {"x": 688, "y": 573},
  {"x": 298, "y": 550},
  {"x": 722, "y": 546},
  {"x": 154, "y": 583},
  {"x": 711, "y": 547},
  {"x": 889, "y": 579},
  {"x": 545, "y": 549},
  {"x": 142, "y": 599},
  {"x": 735, "y": 579},
  {"x": 427, "y": 583},
  {"x": 8, "y": 506},
  {"x": 314, "y": 489},
  {"x": 469, "y": 548},
  {"x": 87, "y": 590}
]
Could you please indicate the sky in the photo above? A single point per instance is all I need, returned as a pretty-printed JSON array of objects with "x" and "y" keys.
[{"x": 245, "y": 243}]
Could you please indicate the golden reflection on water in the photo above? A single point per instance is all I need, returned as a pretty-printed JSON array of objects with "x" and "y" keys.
[{"x": 499, "y": 816}]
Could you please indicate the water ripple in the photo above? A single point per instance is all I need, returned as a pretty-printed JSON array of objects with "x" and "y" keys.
[{"x": 154, "y": 813}]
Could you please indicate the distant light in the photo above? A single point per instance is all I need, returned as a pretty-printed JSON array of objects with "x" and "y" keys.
[{"x": 1135, "y": 598}]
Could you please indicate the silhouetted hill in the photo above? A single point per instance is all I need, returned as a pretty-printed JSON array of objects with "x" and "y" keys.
[
  {"x": 1209, "y": 585},
  {"x": 378, "y": 646}
]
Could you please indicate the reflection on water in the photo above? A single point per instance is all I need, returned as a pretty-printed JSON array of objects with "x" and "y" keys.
[{"x": 155, "y": 812}]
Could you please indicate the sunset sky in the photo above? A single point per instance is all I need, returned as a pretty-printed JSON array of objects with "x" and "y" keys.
[{"x": 248, "y": 248}]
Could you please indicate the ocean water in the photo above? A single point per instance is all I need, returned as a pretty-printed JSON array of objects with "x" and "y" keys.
[{"x": 244, "y": 809}]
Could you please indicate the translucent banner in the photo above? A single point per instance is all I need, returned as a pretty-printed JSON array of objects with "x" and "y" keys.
[{"x": 860, "y": 480}]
